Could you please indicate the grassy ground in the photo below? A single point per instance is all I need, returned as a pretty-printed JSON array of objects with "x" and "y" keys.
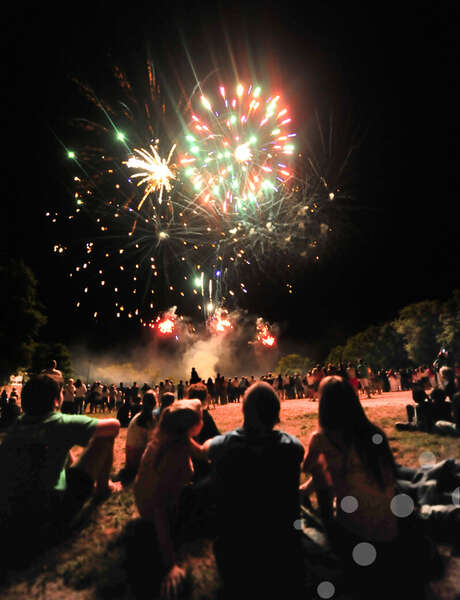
[{"x": 89, "y": 563}]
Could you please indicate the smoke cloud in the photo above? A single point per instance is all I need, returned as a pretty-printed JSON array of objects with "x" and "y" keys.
[{"x": 230, "y": 353}]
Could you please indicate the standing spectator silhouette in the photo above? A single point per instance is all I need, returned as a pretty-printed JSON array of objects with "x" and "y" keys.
[
  {"x": 194, "y": 377},
  {"x": 80, "y": 395},
  {"x": 362, "y": 370},
  {"x": 3, "y": 407},
  {"x": 68, "y": 405}
]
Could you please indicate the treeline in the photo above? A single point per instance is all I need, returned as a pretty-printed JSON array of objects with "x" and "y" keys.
[
  {"x": 22, "y": 320},
  {"x": 414, "y": 338}
]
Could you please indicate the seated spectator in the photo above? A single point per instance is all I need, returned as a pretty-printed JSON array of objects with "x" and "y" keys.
[
  {"x": 166, "y": 400},
  {"x": 256, "y": 470},
  {"x": 451, "y": 427},
  {"x": 209, "y": 429},
  {"x": 447, "y": 381},
  {"x": 165, "y": 469},
  {"x": 423, "y": 410},
  {"x": 40, "y": 492},
  {"x": 140, "y": 432},
  {"x": 440, "y": 406},
  {"x": 354, "y": 478}
]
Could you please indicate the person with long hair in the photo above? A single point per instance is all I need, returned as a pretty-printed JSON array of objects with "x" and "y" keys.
[
  {"x": 165, "y": 469},
  {"x": 141, "y": 430},
  {"x": 354, "y": 476}
]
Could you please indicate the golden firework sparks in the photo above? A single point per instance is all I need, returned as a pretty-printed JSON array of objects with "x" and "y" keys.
[{"x": 155, "y": 171}]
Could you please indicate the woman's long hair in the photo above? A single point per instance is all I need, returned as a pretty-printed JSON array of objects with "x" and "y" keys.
[
  {"x": 174, "y": 425},
  {"x": 340, "y": 410}
]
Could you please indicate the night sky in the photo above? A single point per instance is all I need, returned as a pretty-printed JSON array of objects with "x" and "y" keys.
[{"x": 391, "y": 70}]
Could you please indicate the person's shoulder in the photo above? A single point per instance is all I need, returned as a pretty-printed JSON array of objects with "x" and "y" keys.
[
  {"x": 133, "y": 422},
  {"x": 224, "y": 438},
  {"x": 316, "y": 439},
  {"x": 65, "y": 420},
  {"x": 288, "y": 438}
]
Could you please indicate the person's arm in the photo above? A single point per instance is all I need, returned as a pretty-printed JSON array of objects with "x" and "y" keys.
[
  {"x": 317, "y": 483},
  {"x": 175, "y": 472},
  {"x": 175, "y": 573},
  {"x": 107, "y": 428},
  {"x": 307, "y": 488},
  {"x": 312, "y": 453},
  {"x": 325, "y": 503},
  {"x": 198, "y": 451},
  {"x": 163, "y": 530}
]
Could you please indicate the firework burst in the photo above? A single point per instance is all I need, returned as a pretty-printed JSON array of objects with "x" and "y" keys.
[
  {"x": 235, "y": 203},
  {"x": 154, "y": 170},
  {"x": 238, "y": 149}
]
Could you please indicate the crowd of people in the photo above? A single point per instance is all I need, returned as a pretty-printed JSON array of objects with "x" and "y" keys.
[
  {"x": 243, "y": 485},
  {"x": 81, "y": 397}
]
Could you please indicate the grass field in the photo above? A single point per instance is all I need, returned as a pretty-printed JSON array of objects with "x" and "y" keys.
[{"x": 88, "y": 564}]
